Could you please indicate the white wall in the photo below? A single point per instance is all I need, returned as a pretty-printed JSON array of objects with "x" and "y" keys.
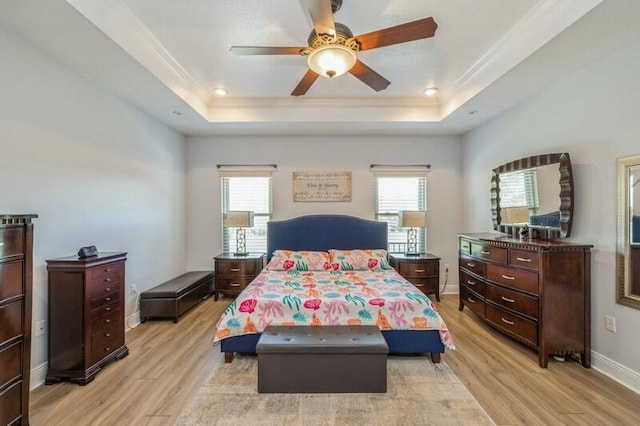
[
  {"x": 95, "y": 170},
  {"x": 593, "y": 115},
  {"x": 337, "y": 153}
]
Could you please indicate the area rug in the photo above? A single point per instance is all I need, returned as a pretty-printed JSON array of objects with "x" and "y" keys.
[{"x": 418, "y": 393}]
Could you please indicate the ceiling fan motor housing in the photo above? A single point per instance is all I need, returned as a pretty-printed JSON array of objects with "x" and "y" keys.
[{"x": 343, "y": 36}]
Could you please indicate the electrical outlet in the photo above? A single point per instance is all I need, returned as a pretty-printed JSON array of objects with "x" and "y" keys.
[
  {"x": 134, "y": 289},
  {"x": 446, "y": 267},
  {"x": 610, "y": 323},
  {"x": 40, "y": 328}
]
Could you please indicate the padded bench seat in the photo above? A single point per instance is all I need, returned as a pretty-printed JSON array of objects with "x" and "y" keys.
[
  {"x": 322, "y": 359},
  {"x": 173, "y": 298}
]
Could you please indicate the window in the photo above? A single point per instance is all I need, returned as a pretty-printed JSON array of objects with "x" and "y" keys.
[
  {"x": 396, "y": 192},
  {"x": 251, "y": 192}
]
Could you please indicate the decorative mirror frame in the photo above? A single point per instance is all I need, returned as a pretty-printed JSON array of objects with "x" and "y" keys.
[
  {"x": 623, "y": 246},
  {"x": 566, "y": 194}
]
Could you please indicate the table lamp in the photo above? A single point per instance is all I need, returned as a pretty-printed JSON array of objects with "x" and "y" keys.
[
  {"x": 413, "y": 219},
  {"x": 240, "y": 220}
]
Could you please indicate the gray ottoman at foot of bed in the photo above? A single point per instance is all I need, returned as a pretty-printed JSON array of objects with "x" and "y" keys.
[{"x": 322, "y": 359}]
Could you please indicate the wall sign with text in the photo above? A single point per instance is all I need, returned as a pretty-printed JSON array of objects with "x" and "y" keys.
[{"x": 321, "y": 186}]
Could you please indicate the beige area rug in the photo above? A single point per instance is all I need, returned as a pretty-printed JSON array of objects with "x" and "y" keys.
[{"x": 418, "y": 393}]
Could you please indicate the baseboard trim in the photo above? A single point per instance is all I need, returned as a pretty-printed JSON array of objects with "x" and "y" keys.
[
  {"x": 132, "y": 321},
  {"x": 38, "y": 375},
  {"x": 616, "y": 371}
]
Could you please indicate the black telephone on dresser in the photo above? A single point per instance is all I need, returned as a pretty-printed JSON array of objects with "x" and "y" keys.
[{"x": 87, "y": 251}]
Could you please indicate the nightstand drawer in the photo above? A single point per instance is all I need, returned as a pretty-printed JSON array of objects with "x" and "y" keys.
[
  {"x": 407, "y": 269},
  {"x": 237, "y": 267},
  {"x": 426, "y": 285},
  {"x": 234, "y": 284}
]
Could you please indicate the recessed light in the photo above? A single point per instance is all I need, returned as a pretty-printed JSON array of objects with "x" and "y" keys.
[
  {"x": 431, "y": 91},
  {"x": 220, "y": 91}
]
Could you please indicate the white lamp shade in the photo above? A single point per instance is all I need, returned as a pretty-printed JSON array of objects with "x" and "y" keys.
[
  {"x": 413, "y": 218},
  {"x": 238, "y": 219},
  {"x": 331, "y": 60}
]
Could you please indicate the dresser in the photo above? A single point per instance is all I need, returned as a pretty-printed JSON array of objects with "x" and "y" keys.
[
  {"x": 536, "y": 291},
  {"x": 86, "y": 315},
  {"x": 421, "y": 270},
  {"x": 234, "y": 273},
  {"x": 16, "y": 277}
]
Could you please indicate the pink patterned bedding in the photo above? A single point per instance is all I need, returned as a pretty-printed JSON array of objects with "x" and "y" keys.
[{"x": 383, "y": 298}]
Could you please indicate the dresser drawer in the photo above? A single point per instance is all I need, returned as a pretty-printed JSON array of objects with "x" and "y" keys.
[
  {"x": 11, "y": 362},
  {"x": 103, "y": 286},
  {"x": 419, "y": 270},
  {"x": 11, "y": 241},
  {"x": 465, "y": 247},
  {"x": 106, "y": 271},
  {"x": 516, "y": 301},
  {"x": 472, "y": 282},
  {"x": 512, "y": 277},
  {"x": 11, "y": 404},
  {"x": 11, "y": 320},
  {"x": 106, "y": 320},
  {"x": 524, "y": 259},
  {"x": 515, "y": 325},
  {"x": 237, "y": 268},
  {"x": 472, "y": 265},
  {"x": 485, "y": 251},
  {"x": 107, "y": 309},
  {"x": 105, "y": 299},
  {"x": 238, "y": 283},
  {"x": 472, "y": 301},
  {"x": 104, "y": 343},
  {"x": 10, "y": 280}
]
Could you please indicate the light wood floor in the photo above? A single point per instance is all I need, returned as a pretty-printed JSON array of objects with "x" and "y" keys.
[{"x": 168, "y": 362}]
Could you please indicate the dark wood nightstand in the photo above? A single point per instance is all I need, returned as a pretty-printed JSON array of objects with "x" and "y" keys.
[
  {"x": 234, "y": 273},
  {"x": 421, "y": 270}
]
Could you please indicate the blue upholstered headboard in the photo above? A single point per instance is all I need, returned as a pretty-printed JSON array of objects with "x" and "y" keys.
[{"x": 324, "y": 232}]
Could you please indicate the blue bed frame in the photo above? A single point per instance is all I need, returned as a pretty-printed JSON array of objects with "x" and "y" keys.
[{"x": 324, "y": 232}]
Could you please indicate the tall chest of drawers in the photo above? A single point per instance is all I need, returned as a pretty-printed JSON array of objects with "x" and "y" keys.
[
  {"x": 536, "y": 291},
  {"x": 16, "y": 272},
  {"x": 86, "y": 315}
]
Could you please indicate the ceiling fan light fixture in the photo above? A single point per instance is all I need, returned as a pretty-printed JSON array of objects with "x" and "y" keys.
[{"x": 331, "y": 60}]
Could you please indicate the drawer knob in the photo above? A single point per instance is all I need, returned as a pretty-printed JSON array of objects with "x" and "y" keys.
[
  {"x": 107, "y": 289},
  {"x": 507, "y": 299},
  {"x": 234, "y": 269},
  {"x": 471, "y": 264},
  {"x": 107, "y": 321},
  {"x": 107, "y": 309},
  {"x": 107, "y": 349},
  {"x": 108, "y": 299},
  {"x": 471, "y": 300},
  {"x": 471, "y": 282},
  {"x": 419, "y": 285},
  {"x": 107, "y": 280},
  {"x": 419, "y": 271},
  {"x": 506, "y": 321},
  {"x": 107, "y": 334},
  {"x": 523, "y": 259},
  {"x": 107, "y": 270},
  {"x": 508, "y": 277},
  {"x": 235, "y": 284},
  {"x": 485, "y": 252}
]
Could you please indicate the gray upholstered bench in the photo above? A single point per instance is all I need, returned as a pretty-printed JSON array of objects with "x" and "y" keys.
[
  {"x": 322, "y": 359},
  {"x": 173, "y": 298}
]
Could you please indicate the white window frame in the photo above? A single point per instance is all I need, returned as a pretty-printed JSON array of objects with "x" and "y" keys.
[
  {"x": 397, "y": 235},
  {"x": 256, "y": 237}
]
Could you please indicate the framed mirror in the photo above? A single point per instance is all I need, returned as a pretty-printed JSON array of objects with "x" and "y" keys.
[
  {"x": 535, "y": 191},
  {"x": 628, "y": 241}
]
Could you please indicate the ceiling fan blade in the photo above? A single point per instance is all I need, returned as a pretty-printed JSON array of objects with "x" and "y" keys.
[
  {"x": 265, "y": 50},
  {"x": 369, "y": 76},
  {"x": 304, "y": 85},
  {"x": 321, "y": 15},
  {"x": 415, "y": 30}
]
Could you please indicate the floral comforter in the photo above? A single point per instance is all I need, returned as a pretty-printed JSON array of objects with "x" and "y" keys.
[{"x": 383, "y": 298}]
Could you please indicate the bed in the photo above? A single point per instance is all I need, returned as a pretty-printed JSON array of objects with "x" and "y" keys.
[{"x": 320, "y": 291}]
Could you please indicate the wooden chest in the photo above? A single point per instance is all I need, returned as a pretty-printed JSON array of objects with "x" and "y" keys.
[{"x": 86, "y": 315}]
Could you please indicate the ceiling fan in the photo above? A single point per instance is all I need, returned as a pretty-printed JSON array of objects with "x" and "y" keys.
[{"x": 332, "y": 49}]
